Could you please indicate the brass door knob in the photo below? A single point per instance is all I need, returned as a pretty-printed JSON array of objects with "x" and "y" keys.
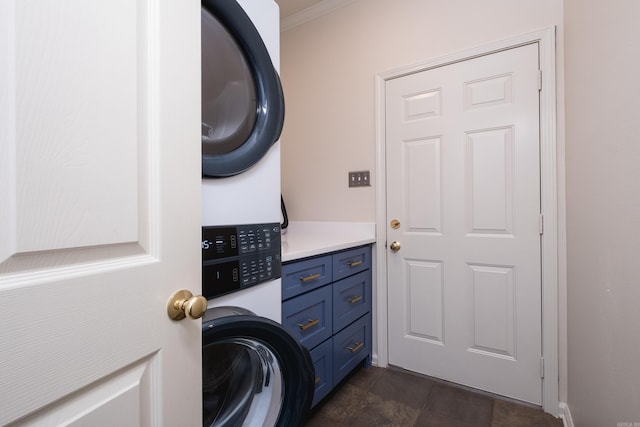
[
  {"x": 394, "y": 246},
  {"x": 183, "y": 304}
]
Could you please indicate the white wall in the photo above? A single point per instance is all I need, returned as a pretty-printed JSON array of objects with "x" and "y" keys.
[
  {"x": 328, "y": 68},
  {"x": 602, "y": 61}
]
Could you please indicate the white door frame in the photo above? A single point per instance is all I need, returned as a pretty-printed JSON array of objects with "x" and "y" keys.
[{"x": 546, "y": 39}]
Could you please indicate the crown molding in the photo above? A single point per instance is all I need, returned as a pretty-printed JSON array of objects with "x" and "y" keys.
[{"x": 311, "y": 13}]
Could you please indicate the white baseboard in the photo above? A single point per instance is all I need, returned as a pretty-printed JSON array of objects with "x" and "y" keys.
[{"x": 565, "y": 414}]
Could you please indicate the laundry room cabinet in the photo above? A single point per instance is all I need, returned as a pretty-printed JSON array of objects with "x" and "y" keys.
[{"x": 327, "y": 307}]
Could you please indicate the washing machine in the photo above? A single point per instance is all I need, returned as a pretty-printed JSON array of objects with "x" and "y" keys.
[{"x": 254, "y": 372}]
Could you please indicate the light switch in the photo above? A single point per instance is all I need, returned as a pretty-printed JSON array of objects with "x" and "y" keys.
[{"x": 359, "y": 179}]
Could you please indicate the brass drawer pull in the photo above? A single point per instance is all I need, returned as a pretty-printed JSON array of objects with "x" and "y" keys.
[
  {"x": 355, "y": 299},
  {"x": 354, "y": 263},
  {"x": 355, "y": 347},
  {"x": 310, "y": 323},
  {"x": 317, "y": 380},
  {"x": 309, "y": 277}
]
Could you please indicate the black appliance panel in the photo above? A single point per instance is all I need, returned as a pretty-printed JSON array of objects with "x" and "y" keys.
[{"x": 238, "y": 257}]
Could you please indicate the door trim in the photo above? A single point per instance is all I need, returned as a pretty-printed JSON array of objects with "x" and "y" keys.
[{"x": 546, "y": 39}]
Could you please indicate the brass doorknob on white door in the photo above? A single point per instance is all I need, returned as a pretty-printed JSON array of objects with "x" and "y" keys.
[
  {"x": 183, "y": 304},
  {"x": 394, "y": 246}
]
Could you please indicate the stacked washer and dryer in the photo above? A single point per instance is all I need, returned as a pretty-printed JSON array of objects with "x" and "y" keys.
[{"x": 254, "y": 372}]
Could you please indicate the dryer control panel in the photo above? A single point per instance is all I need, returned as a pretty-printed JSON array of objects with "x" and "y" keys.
[{"x": 236, "y": 257}]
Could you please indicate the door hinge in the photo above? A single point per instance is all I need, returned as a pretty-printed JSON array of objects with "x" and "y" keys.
[
  {"x": 542, "y": 367},
  {"x": 539, "y": 80},
  {"x": 541, "y": 224}
]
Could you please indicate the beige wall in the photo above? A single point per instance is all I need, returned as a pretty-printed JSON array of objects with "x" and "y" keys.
[
  {"x": 328, "y": 69},
  {"x": 602, "y": 60}
]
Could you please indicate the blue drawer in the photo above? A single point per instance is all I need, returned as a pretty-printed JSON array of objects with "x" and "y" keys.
[
  {"x": 303, "y": 276},
  {"x": 308, "y": 317},
  {"x": 322, "y": 358},
  {"x": 351, "y": 346},
  {"x": 351, "y": 299},
  {"x": 351, "y": 262}
]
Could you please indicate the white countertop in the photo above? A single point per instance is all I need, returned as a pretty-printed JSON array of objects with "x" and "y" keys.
[{"x": 304, "y": 239}]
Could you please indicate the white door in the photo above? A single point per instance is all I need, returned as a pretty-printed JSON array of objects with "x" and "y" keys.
[
  {"x": 99, "y": 212},
  {"x": 463, "y": 181}
]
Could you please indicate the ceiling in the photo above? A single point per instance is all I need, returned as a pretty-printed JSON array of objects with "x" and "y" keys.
[{"x": 290, "y": 7}]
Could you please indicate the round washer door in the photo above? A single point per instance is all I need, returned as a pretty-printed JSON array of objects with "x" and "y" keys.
[
  {"x": 242, "y": 99},
  {"x": 254, "y": 373}
]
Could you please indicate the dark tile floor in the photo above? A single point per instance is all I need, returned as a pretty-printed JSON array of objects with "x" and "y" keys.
[{"x": 394, "y": 397}]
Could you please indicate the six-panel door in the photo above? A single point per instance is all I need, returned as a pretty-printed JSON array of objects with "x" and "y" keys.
[{"x": 463, "y": 180}]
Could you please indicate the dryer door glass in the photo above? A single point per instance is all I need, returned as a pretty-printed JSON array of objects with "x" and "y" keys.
[{"x": 228, "y": 90}]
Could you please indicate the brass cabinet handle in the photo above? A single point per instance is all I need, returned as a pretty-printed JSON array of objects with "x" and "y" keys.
[
  {"x": 309, "y": 277},
  {"x": 317, "y": 380},
  {"x": 310, "y": 323},
  {"x": 354, "y": 263},
  {"x": 355, "y": 347},
  {"x": 355, "y": 299}
]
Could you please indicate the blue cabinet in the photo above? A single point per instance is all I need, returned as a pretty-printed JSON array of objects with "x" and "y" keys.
[
  {"x": 350, "y": 346},
  {"x": 327, "y": 307},
  {"x": 351, "y": 299},
  {"x": 309, "y": 317},
  {"x": 303, "y": 276}
]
